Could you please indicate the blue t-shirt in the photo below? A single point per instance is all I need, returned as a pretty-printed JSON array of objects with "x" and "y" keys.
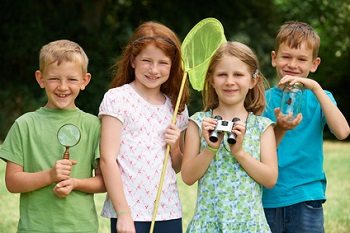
[{"x": 300, "y": 154}]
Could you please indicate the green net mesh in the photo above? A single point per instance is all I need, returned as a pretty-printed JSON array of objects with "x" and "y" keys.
[{"x": 198, "y": 47}]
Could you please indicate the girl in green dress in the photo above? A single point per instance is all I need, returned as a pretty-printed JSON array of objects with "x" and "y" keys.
[{"x": 231, "y": 173}]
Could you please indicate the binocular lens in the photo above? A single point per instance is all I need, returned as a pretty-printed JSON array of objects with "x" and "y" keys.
[
  {"x": 213, "y": 136},
  {"x": 231, "y": 139}
]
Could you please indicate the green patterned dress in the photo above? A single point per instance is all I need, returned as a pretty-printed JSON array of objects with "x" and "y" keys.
[{"x": 228, "y": 199}]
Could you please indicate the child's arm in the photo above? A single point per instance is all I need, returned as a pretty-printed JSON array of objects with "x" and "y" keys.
[
  {"x": 89, "y": 185},
  {"x": 195, "y": 162},
  {"x": 174, "y": 137},
  {"x": 110, "y": 143},
  {"x": 18, "y": 181},
  {"x": 265, "y": 171},
  {"x": 334, "y": 117}
]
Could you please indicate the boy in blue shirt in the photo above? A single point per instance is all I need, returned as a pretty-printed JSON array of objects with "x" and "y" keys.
[
  {"x": 295, "y": 203},
  {"x": 55, "y": 196}
]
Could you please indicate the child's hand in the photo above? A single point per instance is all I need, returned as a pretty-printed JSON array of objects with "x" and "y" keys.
[
  {"x": 286, "y": 122},
  {"x": 61, "y": 170},
  {"x": 239, "y": 130},
  {"x": 208, "y": 125},
  {"x": 172, "y": 135},
  {"x": 307, "y": 82},
  {"x": 64, "y": 188},
  {"x": 125, "y": 224}
]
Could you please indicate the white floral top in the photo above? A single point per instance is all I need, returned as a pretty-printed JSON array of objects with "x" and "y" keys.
[
  {"x": 142, "y": 152},
  {"x": 229, "y": 200}
]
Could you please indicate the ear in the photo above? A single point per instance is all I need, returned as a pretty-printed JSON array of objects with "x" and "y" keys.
[
  {"x": 253, "y": 82},
  {"x": 210, "y": 81},
  {"x": 273, "y": 58},
  {"x": 86, "y": 80},
  {"x": 315, "y": 63},
  {"x": 39, "y": 78},
  {"x": 132, "y": 62}
]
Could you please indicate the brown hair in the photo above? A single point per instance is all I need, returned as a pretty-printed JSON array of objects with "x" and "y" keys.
[
  {"x": 255, "y": 98},
  {"x": 62, "y": 50},
  {"x": 166, "y": 40},
  {"x": 295, "y": 33}
]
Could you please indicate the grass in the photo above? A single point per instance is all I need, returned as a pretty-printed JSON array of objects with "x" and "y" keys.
[
  {"x": 337, "y": 206},
  {"x": 336, "y": 209}
]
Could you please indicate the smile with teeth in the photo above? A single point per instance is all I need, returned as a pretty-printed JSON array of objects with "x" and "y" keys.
[
  {"x": 152, "y": 77},
  {"x": 62, "y": 95}
]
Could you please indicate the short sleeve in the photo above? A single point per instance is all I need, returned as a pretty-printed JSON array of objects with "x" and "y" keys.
[
  {"x": 113, "y": 104},
  {"x": 198, "y": 117},
  {"x": 12, "y": 148}
]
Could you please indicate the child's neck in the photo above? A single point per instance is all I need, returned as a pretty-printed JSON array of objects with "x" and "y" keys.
[
  {"x": 228, "y": 113},
  {"x": 153, "y": 96}
]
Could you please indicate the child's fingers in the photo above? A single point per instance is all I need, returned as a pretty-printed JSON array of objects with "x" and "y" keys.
[
  {"x": 277, "y": 111},
  {"x": 209, "y": 124},
  {"x": 290, "y": 79},
  {"x": 62, "y": 184},
  {"x": 73, "y": 162},
  {"x": 64, "y": 187}
]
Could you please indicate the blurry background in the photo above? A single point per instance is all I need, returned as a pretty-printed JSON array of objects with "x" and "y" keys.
[{"x": 102, "y": 28}]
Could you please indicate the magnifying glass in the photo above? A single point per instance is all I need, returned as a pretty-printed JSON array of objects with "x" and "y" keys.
[{"x": 68, "y": 135}]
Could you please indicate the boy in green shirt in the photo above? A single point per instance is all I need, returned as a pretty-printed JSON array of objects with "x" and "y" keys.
[{"x": 56, "y": 194}]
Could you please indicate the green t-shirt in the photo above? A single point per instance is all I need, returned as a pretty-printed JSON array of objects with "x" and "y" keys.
[{"x": 32, "y": 143}]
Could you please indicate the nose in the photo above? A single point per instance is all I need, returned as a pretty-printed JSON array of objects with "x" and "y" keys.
[
  {"x": 230, "y": 80},
  {"x": 62, "y": 85},
  {"x": 153, "y": 68},
  {"x": 293, "y": 63}
]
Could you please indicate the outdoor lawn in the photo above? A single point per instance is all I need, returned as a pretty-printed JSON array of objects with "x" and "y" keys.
[{"x": 337, "y": 207}]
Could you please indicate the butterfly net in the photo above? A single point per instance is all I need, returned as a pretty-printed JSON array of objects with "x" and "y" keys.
[{"x": 198, "y": 47}]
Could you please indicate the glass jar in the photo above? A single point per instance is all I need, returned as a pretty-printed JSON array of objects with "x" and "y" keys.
[{"x": 291, "y": 99}]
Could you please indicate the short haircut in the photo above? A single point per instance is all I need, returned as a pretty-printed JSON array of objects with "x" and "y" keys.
[
  {"x": 62, "y": 50},
  {"x": 294, "y": 33}
]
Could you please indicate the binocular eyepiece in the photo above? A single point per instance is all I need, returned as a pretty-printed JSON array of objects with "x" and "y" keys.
[{"x": 224, "y": 126}]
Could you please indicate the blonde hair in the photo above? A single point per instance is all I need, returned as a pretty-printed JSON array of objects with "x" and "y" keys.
[
  {"x": 255, "y": 98},
  {"x": 62, "y": 50},
  {"x": 295, "y": 33},
  {"x": 163, "y": 38}
]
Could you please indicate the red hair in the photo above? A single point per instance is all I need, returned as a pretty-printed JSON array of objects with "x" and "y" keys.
[{"x": 166, "y": 40}]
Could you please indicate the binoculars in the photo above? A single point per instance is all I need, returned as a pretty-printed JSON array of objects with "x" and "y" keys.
[{"x": 224, "y": 126}]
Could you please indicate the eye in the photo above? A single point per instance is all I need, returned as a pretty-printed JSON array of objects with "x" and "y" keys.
[
  {"x": 238, "y": 74},
  {"x": 164, "y": 63},
  {"x": 75, "y": 78},
  {"x": 221, "y": 74},
  {"x": 53, "y": 79}
]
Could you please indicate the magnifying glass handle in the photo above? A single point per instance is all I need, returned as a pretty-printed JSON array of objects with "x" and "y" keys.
[{"x": 66, "y": 153}]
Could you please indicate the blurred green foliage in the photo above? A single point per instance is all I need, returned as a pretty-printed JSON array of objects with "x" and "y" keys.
[{"x": 103, "y": 27}]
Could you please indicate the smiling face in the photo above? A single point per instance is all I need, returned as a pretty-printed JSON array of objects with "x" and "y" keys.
[
  {"x": 62, "y": 83},
  {"x": 232, "y": 80},
  {"x": 294, "y": 61},
  {"x": 152, "y": 68}
]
